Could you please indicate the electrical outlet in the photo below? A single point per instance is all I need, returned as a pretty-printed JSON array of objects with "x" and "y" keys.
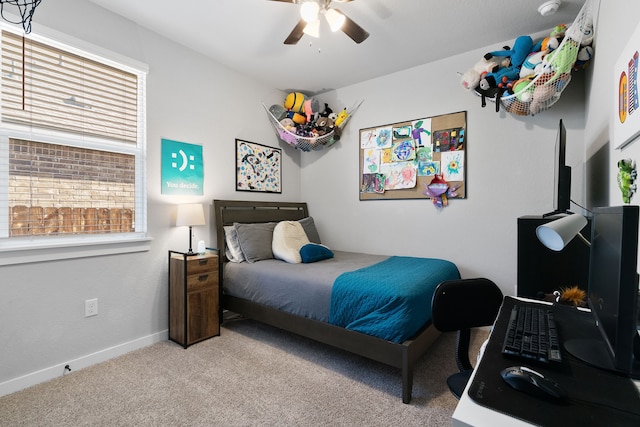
[{"x": 91, "y": 307}]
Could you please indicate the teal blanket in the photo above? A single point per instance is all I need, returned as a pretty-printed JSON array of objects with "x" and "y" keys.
[{"x": 390, "y": 299}]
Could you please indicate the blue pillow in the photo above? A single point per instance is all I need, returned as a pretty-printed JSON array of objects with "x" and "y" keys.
[{"x": 312, "y": 252}]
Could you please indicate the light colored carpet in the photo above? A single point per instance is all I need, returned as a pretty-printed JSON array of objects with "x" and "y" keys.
[{"x": 251, "y": 375}]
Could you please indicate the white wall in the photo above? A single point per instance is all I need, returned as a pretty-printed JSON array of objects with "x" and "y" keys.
[
  {"x": 189, "y": 99},
  {"x": 616, "y": 21},
  {"x": 509, "y": 173}
]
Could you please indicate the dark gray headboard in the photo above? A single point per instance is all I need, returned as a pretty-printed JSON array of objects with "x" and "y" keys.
[{"x": 226, "y": 212}]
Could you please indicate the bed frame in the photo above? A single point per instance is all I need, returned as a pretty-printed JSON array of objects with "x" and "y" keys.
[{"x": 402, "y": 355}]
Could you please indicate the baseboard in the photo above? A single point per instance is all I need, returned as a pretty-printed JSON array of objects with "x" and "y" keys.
[{"x": 58, "y": 370}]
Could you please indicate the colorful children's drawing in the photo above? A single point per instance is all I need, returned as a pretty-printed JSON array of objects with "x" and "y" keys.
[
  {"x": 399, "y": 175},
  {"x": 452, "y": 165},
  {"x": 403, "y": 151},
  {"x": 383, "y": 137},
  {"x": 428, "y": 168},
  {"x": 371, "y": 161},
  {"x": 421, "y": 129},
  {"x": 448, "y": 140},
  {"x": 368, "y": 138},
  {"x": 385, "y": 155},
  {"x": 402, "y": 132},
  {"x": 373, "y": 183},
  {"x": 424, "y": 154}
]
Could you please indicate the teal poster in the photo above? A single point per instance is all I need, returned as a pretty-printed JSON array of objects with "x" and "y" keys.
[{"x": 182, "y": 170}]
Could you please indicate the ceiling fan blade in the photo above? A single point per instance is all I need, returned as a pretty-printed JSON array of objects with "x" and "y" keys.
[
  {"x": 353, "y": 30},
  {"x": 296, "y": 33},
  {"x": 285, "y": 1}
]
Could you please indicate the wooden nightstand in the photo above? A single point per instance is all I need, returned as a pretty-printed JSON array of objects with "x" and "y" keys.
[{"x": 193, "y": 297}]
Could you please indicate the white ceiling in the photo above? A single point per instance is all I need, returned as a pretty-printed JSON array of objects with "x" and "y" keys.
[{"x": 247, "y": 35}]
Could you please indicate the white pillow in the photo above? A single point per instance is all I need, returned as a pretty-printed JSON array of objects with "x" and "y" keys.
[{"x": 288, "y": 238}]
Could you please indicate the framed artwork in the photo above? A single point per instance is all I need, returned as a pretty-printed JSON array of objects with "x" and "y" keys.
[
  {"x": 258, "y": 167},
  {"x": 399, "y": 160},
  {"x": 626, "y": 119}
]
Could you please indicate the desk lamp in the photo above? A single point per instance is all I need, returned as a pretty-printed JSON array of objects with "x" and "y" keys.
[
  {"x": 190, "y": 214},
  {"x": 557, "y": 234}
]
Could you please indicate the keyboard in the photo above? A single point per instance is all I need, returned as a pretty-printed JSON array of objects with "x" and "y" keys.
[{"x": 532, "y": 335}]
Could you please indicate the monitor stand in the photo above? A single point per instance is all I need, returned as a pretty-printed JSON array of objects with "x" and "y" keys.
[{"x": 594, "y": 352}]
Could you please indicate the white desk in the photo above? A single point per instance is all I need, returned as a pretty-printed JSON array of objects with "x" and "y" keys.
[{"x": 468, "y": 413}]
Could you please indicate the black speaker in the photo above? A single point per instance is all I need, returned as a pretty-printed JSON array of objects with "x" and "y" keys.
[{"x": 542, "y": 270}]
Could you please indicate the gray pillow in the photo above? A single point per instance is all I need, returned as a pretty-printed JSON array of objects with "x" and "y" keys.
[
  {"x": 233, "y": 252},
  {"x": 310, "y": 228},
  {"x": 255, "y": 240}
]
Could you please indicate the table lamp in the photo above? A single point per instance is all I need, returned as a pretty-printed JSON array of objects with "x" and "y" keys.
[
  {"x": 190, "y": 214},
  {"x": 557, "y": 234}
]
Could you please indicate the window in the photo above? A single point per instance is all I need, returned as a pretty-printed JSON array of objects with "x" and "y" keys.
[{"x": 72, "y": 147}]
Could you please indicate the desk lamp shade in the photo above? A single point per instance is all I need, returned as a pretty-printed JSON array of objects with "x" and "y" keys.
[
  {"x": 190, "y": 214},
  {"x": 557, "y": 234}
]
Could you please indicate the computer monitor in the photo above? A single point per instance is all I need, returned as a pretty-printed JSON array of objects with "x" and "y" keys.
[
  {"x": 613, "y": 292},
  {"x": 561, "y": 174}
]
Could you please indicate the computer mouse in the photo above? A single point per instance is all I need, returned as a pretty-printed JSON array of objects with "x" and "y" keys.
[{"x": 534, "y": 383}]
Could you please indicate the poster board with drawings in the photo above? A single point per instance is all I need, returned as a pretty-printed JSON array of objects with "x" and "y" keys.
[{"x": 398, "y": 160}]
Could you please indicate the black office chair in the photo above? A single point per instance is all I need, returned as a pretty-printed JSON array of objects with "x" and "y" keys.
[{"x": 459, "y": 305}]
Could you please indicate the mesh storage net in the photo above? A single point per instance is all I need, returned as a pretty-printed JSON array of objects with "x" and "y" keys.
[
  {"x": 306, "y": 143},
  {"x": 541, "y": 90}
]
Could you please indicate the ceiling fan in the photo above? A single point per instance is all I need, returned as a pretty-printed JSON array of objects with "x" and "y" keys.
[{"x": 310, "y": 11}]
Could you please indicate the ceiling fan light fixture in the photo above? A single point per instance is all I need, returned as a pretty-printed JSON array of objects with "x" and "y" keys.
[
  {"x": 335, "y": 19},
  {"x": 309, "y": 11},
  {"x": 312, "y": 28}
]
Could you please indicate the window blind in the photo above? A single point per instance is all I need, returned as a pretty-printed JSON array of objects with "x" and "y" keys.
[{"x": 50, "y": 88}]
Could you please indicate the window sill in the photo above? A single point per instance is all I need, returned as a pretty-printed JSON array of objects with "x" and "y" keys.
[{"x": 35, "y": 252}]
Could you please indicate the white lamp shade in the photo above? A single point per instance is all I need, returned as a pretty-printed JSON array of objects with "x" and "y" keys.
[
  {"x": 309, "y": 11},
  {"x": 312, "y": 28},
  {"x": 557, "y": 234},
  {"x": 190, "y": 214},
  {"x": 335, "y": 19}
]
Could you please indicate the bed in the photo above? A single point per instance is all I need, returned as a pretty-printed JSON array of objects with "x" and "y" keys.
[{"x": 258, "y": 290}]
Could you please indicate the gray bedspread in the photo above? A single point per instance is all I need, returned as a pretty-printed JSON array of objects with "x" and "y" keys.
[{"x": 301, "y": 289}]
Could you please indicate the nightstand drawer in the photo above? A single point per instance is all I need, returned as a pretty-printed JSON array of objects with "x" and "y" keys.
[
  {"x": 202, "y": 280},
  {"x": 201, "y": 264}
]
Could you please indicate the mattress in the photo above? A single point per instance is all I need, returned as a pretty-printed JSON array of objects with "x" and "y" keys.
[{"x": 300, "y": 289}]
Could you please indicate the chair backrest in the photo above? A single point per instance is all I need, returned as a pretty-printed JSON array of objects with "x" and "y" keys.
[{"x": 464, "y": 304}]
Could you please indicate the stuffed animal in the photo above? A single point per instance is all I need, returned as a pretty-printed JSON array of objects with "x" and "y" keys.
[
  {"x": 471, "y": 78},
  {"x": 439, "y": 191},
  {"x": 523, "y": 90},
  {"x": 522, "y": 46},
  {"x": 584, "y": 55},
  {"x": 324, "y": 125},
  {"x": 626, "y": 176},
  {"x": 295, "y": 102},
  {"x": 341, "y": 117},
  {"x": 532, "y": 64},
  {"x": 573, "y": 296},
  {"x": 327, "y": 110},
  {"x": 296, "y": 117},
  {"x": 288, "y": 124},
  {"x": 563, "y": 58},
  {"x": 541, "y": 94},
  {"x": 278, "y": 111}
]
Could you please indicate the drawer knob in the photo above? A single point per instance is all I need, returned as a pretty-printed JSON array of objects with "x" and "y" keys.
[{"x": 203, "y": 277}]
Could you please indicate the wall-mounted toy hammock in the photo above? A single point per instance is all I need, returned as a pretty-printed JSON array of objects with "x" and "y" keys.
[
  {"x": 319, "y": 130},
  {"x": 530, "y": 77}
]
